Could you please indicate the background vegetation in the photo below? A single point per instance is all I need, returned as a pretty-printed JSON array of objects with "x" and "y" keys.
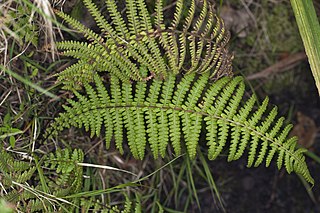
[{"x": 264, "y": 37}]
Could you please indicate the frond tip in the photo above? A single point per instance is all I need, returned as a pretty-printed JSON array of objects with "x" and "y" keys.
[{"x": 179, "y": 110}]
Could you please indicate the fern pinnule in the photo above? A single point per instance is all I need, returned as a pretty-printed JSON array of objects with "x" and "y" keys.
[{"x": 163, "y": 112}]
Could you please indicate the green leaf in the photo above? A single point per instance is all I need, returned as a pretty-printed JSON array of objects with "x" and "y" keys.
[
  {"x": 7, "y": 132},
  {"x": 12, "y": 141},
  {"x": 309, "y": 28}
]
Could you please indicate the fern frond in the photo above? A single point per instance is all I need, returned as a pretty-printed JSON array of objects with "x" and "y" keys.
[
  {"x": 26, "y": 175},
  {"x": 192, "y": 43},
  {"x": 165, "y": 112},
  {"x": 64, "y": 177},
  {"x": 69, "y": 173}
]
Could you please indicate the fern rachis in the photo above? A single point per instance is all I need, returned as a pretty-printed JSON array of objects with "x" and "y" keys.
[{"x": 165, "y": 111}]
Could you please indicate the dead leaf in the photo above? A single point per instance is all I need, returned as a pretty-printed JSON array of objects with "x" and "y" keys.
[
  {"x": 235, "y": 20},
  {"x": 305, "y": 129}
]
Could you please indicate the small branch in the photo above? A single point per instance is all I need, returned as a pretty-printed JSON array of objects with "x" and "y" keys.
[{"x": 281, "y": 66}]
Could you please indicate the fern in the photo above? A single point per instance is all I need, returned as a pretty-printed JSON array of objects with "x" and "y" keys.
[
  {"x": 179, "y": 110},
  {"x": 64, "y": 162},
  {"x": 92, "y": 205},
  {"x": 131, "y": 45},
  {"x": 58, "y": 173}
]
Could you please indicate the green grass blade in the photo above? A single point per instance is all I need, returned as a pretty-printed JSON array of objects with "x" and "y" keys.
[
  {"x": 309, "y": 28},
  {"x": 29, "y": 83},
  {"x": 210, "y": 180},
  {"x": 191, "y": 185}
]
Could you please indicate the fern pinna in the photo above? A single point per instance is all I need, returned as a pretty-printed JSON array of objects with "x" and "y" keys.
[
  {"x": 192, "y": 41},
  {"x": 177, "y": 111}
]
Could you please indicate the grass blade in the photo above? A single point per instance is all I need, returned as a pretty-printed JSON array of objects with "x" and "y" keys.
[
  {"x": 309, "y": 28},
  {"x": 29, "y": 83}
]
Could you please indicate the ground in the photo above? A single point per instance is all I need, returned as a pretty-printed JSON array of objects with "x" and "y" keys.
[{"x": 264, "y": 36}]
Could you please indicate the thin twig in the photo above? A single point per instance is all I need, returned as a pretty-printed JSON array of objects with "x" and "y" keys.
[{"x": 281, "y": 66}]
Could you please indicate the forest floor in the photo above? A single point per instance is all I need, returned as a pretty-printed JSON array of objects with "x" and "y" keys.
[{"x": 267, "y": 50}]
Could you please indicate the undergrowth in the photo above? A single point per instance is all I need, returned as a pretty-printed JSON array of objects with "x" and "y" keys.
[{"x": 150, "y": 84}]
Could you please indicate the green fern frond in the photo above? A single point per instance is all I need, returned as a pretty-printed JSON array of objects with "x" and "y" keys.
[
  {"x": 26, "y": 175},
  {"x": 59, "y": 172},
  {"x": 192, "y": 43},
  {"x": 179, "y": 110}
]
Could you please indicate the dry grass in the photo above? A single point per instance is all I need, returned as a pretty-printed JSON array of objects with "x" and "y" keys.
[{"x": 40, "y": 15}]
